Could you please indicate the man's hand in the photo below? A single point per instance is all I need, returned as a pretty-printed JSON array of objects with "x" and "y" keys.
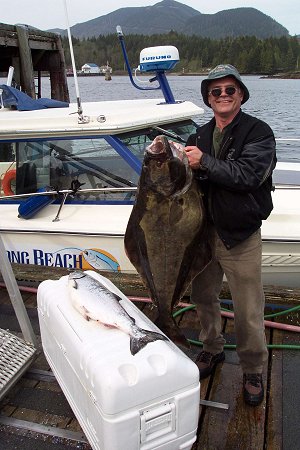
[{"x": 194, "y": 155}]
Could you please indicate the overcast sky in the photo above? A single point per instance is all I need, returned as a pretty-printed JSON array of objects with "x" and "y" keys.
[{"x": 46, "y": 14}]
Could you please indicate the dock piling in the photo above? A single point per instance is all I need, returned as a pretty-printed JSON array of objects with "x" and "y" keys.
[{"x": 33, "y": 53}]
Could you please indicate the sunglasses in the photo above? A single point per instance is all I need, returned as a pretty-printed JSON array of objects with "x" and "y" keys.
[{"x": 216, "y": 92}]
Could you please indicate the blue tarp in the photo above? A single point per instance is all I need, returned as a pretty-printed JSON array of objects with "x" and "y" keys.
[{"x": 12, "y": 97}]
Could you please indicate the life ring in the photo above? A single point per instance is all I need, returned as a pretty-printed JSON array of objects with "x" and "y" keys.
[{"x": 9, "y": 176}]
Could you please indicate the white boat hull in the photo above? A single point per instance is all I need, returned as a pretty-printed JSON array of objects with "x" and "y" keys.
[
  {"x": 91, "y": 237},
  {"x": 86, "y": 236}
]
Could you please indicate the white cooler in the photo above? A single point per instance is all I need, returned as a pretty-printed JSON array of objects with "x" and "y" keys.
[{"x": 122, "y": 402}]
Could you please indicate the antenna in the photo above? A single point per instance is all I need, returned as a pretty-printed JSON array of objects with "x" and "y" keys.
[
  {"x": 160, "y": 63},
  {"x": 122, "y": 42},
  {"x": 81, "y": 118}
]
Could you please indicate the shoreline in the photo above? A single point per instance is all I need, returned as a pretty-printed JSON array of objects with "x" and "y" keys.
[{"x": 285, "y": 75}]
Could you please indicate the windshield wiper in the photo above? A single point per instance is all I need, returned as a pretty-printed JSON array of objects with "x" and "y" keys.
[{"x": 169, "y": 133}]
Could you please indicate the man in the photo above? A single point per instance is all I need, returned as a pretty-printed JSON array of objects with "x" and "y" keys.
[{"x": 233, "y": 157}]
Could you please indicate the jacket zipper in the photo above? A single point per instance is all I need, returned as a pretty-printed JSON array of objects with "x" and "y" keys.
[
  {"x": 225, "y": 147},
  {"x": 220, "y": 156}
]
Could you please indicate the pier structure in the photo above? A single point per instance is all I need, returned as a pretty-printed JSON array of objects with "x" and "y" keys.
[{"x": 32, "y": 52}]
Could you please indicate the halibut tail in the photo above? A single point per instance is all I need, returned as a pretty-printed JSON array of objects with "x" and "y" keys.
[{"x": 170, "y": 328}]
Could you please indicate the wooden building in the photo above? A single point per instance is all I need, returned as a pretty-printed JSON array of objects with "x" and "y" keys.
[
  {"x": 32, "y": 52},
  {"x": 90, "y": 68}
]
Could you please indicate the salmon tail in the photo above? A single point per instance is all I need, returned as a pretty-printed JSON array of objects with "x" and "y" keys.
[{"x": 144, "y": 338}]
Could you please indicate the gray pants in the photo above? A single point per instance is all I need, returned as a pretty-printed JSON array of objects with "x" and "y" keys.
[{"x": 242, "y": 267}]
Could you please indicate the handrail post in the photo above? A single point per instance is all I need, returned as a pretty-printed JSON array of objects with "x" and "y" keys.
[{"x": 15, "y": 296}]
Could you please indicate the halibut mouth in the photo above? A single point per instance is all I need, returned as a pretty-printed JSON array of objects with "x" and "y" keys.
[
  {"x": 174, "y": 175},
  {"x": 163, "y": 149}
]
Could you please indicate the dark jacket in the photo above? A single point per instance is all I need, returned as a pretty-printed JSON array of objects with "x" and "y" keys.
[{"x": 238, "y": 183}]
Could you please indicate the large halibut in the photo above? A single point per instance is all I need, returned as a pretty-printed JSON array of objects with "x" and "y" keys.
[{"x": 166, "y": 237}]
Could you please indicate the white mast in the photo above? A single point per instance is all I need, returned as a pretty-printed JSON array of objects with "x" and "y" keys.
[{"x": 81, "y": 118}]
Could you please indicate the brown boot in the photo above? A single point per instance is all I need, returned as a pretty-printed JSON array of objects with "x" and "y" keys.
[
  {"x": 207, "y": 362},
  {"x": 253, "y": 388}
]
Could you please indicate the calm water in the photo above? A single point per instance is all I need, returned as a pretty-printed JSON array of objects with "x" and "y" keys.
[{"x": 275, "y": 101}]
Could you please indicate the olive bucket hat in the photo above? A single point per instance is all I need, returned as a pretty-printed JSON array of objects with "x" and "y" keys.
[{"x": 221, "y": 71}]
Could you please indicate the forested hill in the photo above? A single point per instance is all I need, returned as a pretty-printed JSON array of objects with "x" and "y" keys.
[
  {"x": 234, "y": 23},
  {"x": 169, "y": 15},
  {"x": 248, "y": 53}
]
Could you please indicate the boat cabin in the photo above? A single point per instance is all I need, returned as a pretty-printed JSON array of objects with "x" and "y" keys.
[{"x": 52, "y": 148}]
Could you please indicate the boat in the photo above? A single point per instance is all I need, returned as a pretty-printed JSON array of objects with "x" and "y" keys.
[
  {"x": 68, "y": 183},
  {"x": 70, "y": 176},
  {"x": 281, "y": 231}
]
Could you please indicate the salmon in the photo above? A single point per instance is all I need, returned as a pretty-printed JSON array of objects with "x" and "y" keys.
[{"x": 95, "y": 302}]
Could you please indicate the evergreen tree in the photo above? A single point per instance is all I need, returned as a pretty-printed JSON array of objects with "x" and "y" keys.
[{"x": 248, "y": 53}]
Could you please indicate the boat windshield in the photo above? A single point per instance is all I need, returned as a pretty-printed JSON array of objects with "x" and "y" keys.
[{"x": 89, "y": 163}]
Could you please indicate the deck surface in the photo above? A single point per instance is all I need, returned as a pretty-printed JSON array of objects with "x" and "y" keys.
[{"x": 35, "y": 414}]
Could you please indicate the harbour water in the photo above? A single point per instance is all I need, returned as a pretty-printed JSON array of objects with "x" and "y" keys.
[{"x": 276, "y": 101}]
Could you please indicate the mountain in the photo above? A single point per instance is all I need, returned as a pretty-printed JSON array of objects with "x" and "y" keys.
[
  {"x": 235, "y": 22},
  {"x": 170, "y": 15},
  {"x": 160, "y": 18}
]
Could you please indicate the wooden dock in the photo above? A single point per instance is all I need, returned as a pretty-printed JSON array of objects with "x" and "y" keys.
[
  {"x": 131, "y": 284},
  {"x": 35, "y": 414},
  {"x": 32, "y": 52}
]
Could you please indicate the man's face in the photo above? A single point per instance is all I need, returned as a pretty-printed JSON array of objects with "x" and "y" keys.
[{"x": 225, "y": 104}]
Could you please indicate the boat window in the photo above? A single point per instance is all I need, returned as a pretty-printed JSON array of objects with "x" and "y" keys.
[
  {"x": 65, "y": 164},
  {"x": 85, "y": 164},
  {"x": 138, "y": 140},
  {"x": 7, "y": 168},
  {"x": 7, "y": 152}
]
